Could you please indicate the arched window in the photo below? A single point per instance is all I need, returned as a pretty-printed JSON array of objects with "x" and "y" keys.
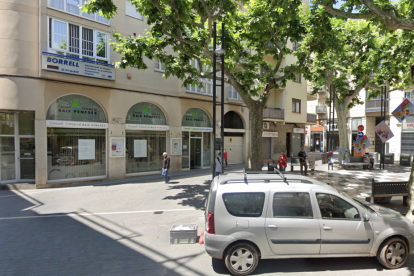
[{"x": 233, "y": 120}]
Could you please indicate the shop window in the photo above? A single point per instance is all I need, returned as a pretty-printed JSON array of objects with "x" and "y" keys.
[
  {"x": 185, "y": 158},
  {"x": 26, "y": 123},
  {"x": 296, "y": 104},
  {"x": 144, "y": 150},
  {"x": 72, "y": 6},
  {"x": 75, "y": 153},
  {"x": 146, "y": 114},
  {"x": 76, "y": 108},
  {"x": 77, "y": 41},
  {"x": 131, "y": 10},
  {"x": 196, "y": 117},
  {"x": 6, "y": 123}
]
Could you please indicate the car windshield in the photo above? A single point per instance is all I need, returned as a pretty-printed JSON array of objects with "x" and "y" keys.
[{"x": 366, "y": 207}]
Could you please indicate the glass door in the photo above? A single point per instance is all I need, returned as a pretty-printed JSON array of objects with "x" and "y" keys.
[
  {"x": 195, "y": 153},
  {"x": 17, "y": 146},
  {"x": 27, "y": 158},
  {"x": 7, "y": 159}
]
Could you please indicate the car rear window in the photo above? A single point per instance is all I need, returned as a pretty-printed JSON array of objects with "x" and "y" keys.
[{"x": 244, "y": 204}]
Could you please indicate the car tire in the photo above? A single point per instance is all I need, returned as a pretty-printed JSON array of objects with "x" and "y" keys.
[
  {"x": 393, "y": 253},
  {"x": 241, "y": 259}
]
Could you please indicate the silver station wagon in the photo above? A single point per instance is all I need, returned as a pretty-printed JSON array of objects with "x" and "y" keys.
[{"x": 258, "y": 216}]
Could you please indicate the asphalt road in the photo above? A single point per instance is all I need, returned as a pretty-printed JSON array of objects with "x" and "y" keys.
[{"x": 121, "y": 228}]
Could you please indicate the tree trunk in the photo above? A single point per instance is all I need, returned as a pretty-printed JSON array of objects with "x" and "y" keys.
[
  {"x": 256, "y": 130},
  {"x": 341, "y": 111},
  {"x": 410, "y": 189}
]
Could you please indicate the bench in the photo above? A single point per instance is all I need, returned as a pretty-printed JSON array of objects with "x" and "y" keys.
[
  {"x": 389, "y": 189},
  {"x": 356, "y": 163}
]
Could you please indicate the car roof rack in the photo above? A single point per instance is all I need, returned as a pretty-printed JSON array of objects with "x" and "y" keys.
[{"x": 276, "y": 171}]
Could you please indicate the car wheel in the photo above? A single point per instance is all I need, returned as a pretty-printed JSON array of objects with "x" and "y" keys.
[
  {"x": 242, "y": 259},
  {"x": 393, "y": 253}
]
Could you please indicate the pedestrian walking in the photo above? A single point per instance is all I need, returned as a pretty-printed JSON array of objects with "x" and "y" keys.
[
  {"x": 367, "y": 160},
  {"x": 283, "y": 162},
  {"x": 225, "y": 157},
  {"x": 166, "y": 167},
  {"x": 302, "y": 159},
  {"x": 218, "y": 162}
]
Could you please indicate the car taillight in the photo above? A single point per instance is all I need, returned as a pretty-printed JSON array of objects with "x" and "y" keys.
[{"x": 210, "y": 224}]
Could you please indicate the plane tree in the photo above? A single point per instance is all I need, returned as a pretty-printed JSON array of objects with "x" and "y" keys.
[{"x": 257, "y": 35}]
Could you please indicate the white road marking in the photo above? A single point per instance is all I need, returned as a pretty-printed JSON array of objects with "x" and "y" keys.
[{"x": 95, "y": 214}]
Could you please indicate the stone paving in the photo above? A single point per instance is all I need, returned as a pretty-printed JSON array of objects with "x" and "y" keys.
[{"x": 122, "y": 228}]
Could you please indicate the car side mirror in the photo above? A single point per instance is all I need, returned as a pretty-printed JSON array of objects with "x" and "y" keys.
[{"x": 366, "y": 217}]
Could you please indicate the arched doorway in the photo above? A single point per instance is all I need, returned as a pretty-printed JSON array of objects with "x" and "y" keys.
[
  {"x": 196, "y": 139},
  {"x": 76, "y": 139},
  {"x": 146, "y": 138},
  {"x": 233, "y": 137}
]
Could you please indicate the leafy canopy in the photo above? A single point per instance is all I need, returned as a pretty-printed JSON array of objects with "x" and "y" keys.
[{"x": 256, "y": 39}]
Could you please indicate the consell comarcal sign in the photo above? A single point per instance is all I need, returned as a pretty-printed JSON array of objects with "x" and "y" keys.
[{"x": 75, "y": 66}]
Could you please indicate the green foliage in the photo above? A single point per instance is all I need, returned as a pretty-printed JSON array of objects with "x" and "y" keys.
[
  {"x": 357, "y": 56},
  {"x": 256, "y": 39}
]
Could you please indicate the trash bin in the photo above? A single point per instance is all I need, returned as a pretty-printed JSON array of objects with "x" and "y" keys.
[
  {"x": 389, "y": 158},
  {"x": 406, "y": 159},
  {"x": 375, "y": 156}
]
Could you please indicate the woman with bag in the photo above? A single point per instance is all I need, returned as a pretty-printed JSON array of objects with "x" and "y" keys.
[
  {"x": 283, "y": 162},
  {"x": 218, "y": 161}
]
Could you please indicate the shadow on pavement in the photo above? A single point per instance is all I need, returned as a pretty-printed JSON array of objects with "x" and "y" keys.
[
  {"x": 315, "y": 265},
  {"x": 193, "y": 195},
  {"x": 73, "y": 244}
]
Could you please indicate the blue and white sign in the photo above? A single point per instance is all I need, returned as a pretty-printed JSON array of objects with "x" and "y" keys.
[{"x": 74, "y": 66}]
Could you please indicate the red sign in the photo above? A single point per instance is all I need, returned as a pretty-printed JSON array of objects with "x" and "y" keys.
[{"x": 360, "y": 128}]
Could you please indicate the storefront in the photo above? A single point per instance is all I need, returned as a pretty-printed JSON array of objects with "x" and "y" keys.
[
  {"x": 196, "y": 139},
  {"x": 407, "y": 135},
  {"x": 76, "y": 140},
  {"x": 316, "y": 142},
  {"x": 146, "y": 138},
  {"x": 17, "y": 147}
]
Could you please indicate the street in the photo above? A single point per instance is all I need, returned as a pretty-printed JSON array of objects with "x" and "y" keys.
[{"x": 122, "y": 228}]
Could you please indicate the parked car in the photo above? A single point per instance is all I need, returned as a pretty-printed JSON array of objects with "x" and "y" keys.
[{"x": 259, "y": 216}]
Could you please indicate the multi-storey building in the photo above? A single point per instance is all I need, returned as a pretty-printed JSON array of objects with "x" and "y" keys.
[
  {"x": 367, "y": 115},
  {"x": 67, "y": 115}
]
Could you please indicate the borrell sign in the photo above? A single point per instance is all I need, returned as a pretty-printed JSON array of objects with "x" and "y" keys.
[{"x": 74, "y": 66}]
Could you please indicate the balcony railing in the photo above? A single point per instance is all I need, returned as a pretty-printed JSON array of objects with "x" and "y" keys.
[
  {"x": 374, "y": 105},
  {"x": 321, "y": 109},
  {"x": 273, "y": 113},
  {"x": 311, "y": 118}
]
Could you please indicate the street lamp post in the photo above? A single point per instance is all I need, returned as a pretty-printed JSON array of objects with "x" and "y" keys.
[{"x": 218, "y": 52}]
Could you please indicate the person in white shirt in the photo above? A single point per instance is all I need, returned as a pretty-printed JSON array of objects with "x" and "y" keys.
[{"x": 218, "y": 161}]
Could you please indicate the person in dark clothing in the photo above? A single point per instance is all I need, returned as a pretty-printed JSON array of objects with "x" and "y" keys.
[
  {"x": 166, "y": 167},
  {"x": 302, "y": 159}
]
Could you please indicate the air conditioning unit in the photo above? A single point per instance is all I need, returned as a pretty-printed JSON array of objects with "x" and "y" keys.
[{"x": 265, "y": 126}]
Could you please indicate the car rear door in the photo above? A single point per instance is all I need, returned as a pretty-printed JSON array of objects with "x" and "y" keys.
[
  {"x": 342, "y": 229},
  {"x": 292, "y": 227}
]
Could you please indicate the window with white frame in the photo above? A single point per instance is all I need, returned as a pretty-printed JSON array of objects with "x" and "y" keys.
[
  {"x": 233, "y": 94},
  {"x": 77, "y": 41},
  {"x": 159, "y": 66},
  {"x": 131, "y": 10},
  {"x": 73, "y": 7},
  {"x": 207, "y": 84},
  {"x": 296, "y": 104},
  {"x": 298, "y": 78}
]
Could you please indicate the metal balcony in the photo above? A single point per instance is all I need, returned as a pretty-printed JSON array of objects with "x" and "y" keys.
[
  {"x": 311, "y": 118},
  {"x": 273, "y": 113},
  {"x": 375, "y": 105},
  {"x": 321, "y": 109}
]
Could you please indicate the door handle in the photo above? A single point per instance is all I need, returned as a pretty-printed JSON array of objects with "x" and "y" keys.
[
  {"x": 272, "y": 226},
  {"x": 327, "y": 228}
]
